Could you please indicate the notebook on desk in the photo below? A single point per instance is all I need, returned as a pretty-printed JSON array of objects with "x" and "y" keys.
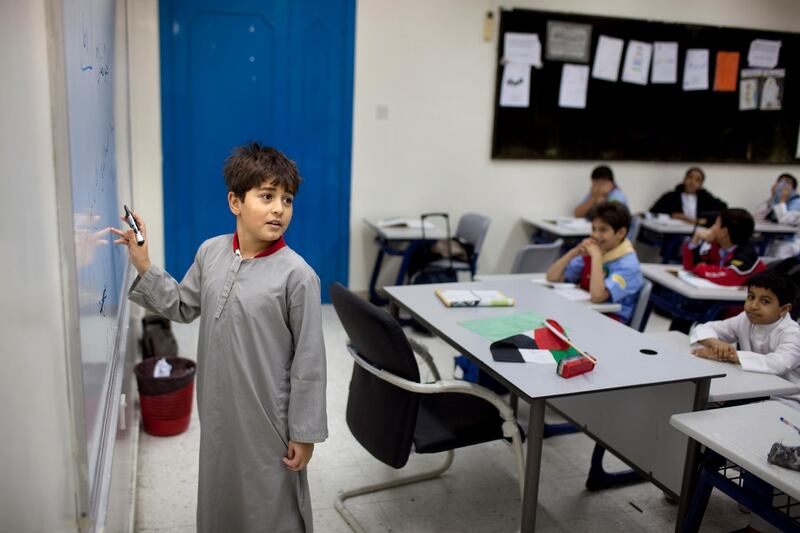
[{"x": 474, "y": 298}]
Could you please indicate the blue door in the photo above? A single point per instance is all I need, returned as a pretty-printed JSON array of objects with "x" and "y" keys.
[{"x": 275, "y": 71}]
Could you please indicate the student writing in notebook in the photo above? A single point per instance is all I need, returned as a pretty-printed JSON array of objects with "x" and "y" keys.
[{"x": 605, "y": 264}]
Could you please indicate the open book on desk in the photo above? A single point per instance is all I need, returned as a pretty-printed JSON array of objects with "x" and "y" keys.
[
  {"x": 397, "y": 222},
  {"x": 474, "y": 298}
]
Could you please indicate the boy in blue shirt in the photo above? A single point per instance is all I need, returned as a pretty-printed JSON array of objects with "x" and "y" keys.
[
  {"x": 260, "y": 353},
  {"x": 783, "y": 207},
  {"x": 604, "y": 264},
  {"x": 603, "y": 189}
]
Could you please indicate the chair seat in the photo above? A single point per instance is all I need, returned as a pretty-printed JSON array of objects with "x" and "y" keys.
[
  {"x": 449, "y": 421},
  {"x": 457, "y": 265}
]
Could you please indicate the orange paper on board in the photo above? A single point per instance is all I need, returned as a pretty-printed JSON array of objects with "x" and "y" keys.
[{"x": 726, "y": 71}]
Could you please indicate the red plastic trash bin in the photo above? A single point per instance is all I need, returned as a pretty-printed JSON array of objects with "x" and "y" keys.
[{"x": 166, "y": 402}]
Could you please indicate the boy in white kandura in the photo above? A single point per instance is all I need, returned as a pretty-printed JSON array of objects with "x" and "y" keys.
[
  {"x": 768, "y": 337},
  {"x": 260, "y": 358}
]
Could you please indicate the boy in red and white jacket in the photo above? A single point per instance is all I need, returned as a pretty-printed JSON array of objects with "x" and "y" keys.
[{"x": 723, "y": 253}]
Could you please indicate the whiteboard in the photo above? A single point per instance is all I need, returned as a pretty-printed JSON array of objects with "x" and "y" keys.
[{"x": 95, "y": 75}]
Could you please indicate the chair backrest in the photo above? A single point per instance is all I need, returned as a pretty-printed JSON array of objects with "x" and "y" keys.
[
  {"x": 381, "y": 416},
  {"x": 536, "y": 257},
  {"x": 642, "y": 311},
  {"x": 636, "y": 225},
  {"x": 473, "y": 228}
]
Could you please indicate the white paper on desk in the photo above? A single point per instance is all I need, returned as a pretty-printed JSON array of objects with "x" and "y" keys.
[
  {"x": 515, "y": 87},
  {"x": 574, "y": 223},
  {"x": 542, "y": 357},
  {"x": 607, "y": 58},
  {"x": 764, "y": 53},
  {"x": 702, "y": 283},
  {"x": 574, "y": 294},
  {"x": 553, "y": 284},
  {"x": 665, "y": 62},
  {"x": 522, "y": 49},
  {"x": 574, "y": 84},
  {"x": 636, "y": 68},
  {"x": 695, "y": 70}
]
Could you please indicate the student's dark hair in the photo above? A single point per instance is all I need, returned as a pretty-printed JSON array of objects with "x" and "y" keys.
[
  {"x": 739, "y": 223},
  {"x": 614, "y": 214},
  {"x": 696, "y": 169},
  {"x": 787, "y": 176},
  {"x": 780, "y": 284},
  {"x": 254, "y": 164},
  {"x": 603, "y": 172}
]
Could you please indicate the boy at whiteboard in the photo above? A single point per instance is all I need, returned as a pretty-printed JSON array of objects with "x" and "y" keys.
[{"x": 261, "y": 358}]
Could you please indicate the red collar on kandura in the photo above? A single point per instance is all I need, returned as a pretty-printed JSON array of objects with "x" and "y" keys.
[{"x": 271, "y": 249}]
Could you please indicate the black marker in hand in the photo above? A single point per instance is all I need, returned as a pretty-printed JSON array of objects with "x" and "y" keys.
[{"x": 134, "y": 226}]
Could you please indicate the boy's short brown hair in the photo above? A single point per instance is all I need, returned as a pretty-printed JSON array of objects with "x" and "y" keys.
[
  {"x": 614, "y": 214},
  {"x": 251, "y": 165}
]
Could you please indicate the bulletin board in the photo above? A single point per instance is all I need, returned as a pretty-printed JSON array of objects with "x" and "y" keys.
[{"x": 651, "y": 122}]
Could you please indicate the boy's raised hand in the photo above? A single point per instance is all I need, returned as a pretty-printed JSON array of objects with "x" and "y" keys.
[
  {"x": 298, "y": 454},
  {"x": 140, "y": 256}
]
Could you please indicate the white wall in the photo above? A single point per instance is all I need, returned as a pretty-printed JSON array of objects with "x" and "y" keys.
[
  {"x": 427, "y": 62},
  {"x": 38, "y": 462}
]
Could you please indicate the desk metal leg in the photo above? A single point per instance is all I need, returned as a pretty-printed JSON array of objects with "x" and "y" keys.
[
  {"x": 533, "y": 462},
  {"x": 691, "y": 468},
  {"x": 373, "y": 280}
]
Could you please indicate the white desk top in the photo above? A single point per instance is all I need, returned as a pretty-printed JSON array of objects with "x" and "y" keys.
[
  {"x": 569, "y": 226},
  {"x": 616, "y": 346},
  {"x": 737, "y": 384},
  {"x": 394, "y": 233},
  {"x": 744, "y": 434},
  {"x": 666, "y": 275},
  {"x": 600, "y": 308},
  {"x": 679, "y": 227}
]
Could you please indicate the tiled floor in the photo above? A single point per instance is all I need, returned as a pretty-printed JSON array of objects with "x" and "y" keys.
[{"x": 478, "y": 494}]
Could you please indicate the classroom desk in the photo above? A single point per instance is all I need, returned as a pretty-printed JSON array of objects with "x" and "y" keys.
[
  {"x": 396, "y": 241},
  {"x": 671, "y": 233},
  {"x": 677, "y": 381},
  {"x": 742, "y": 435},
  {"x": 605, "y": 307},
  {"x": 737, "y": 383},
  {"x": 672, "y": 293},
  {"x": 548, "y": 230}
]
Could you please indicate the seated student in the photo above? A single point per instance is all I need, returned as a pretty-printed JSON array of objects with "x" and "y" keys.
[
  {"x": 689, "y": 201},
  {"x": 603, "y": 190},
  {"x": 604, "y": 264},
  {"x": 723, "y": 253},
  {"x": 768, "y": 338},
  {"x": 783, "y": 207}
]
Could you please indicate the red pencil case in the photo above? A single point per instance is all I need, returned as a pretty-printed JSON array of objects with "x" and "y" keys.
[{"x": 574, "y": 366}]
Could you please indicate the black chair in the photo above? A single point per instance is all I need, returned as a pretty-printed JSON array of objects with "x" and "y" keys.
[{"x": 389, "y": 411}]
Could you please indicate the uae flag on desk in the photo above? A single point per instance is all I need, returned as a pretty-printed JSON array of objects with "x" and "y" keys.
[{"x": 539, "y": 346}]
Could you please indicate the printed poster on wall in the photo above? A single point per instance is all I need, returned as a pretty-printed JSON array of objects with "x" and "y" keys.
[
  {"x": 515, "y": 86},
  {"x": 607, "y": 58},
  {"x": 522, "y": 49},
  {"x": 665, "y": 62},
  {"x": 636, "y": 68},
  {"x": 568, "y": 41},
  {"x": 574, "y": 85},
  {"x": 749, "y": 80},
  {"x": 772, "y": 90},
  {"x": 726, "y": 70},
  {"x": 764, "y": 53},
  {"x": 695, "y": 70}
]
